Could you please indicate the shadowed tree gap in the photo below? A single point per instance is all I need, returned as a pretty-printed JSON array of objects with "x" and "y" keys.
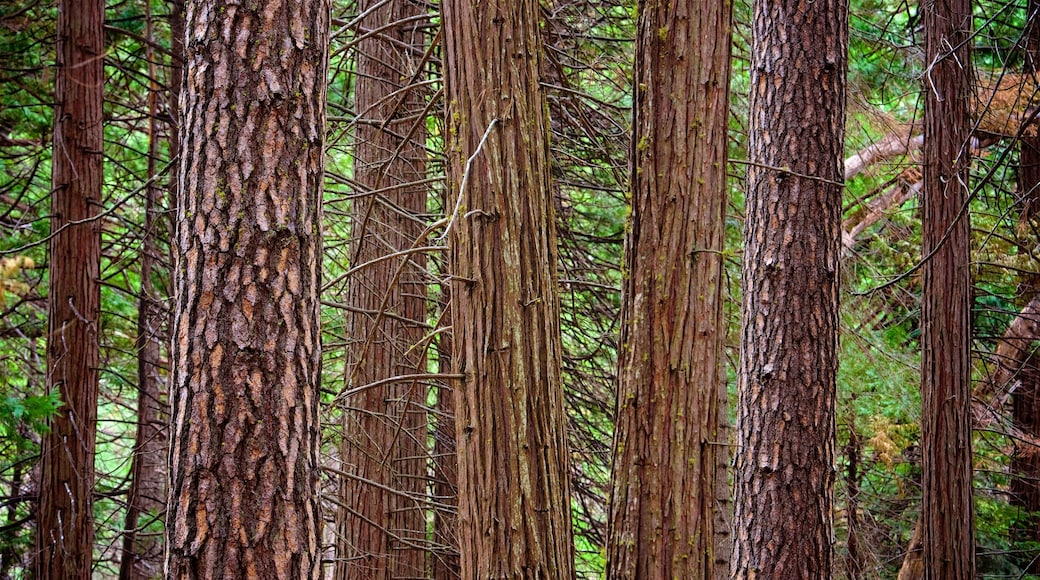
[
  {"x": 142, "y": 556},
  {"x": 1025, "y": 463},
  {"x": 382, "y": 533}
]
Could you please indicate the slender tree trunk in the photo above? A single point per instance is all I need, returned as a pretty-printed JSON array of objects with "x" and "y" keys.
[
  {"x": 669, "y": 404},
  {"x": 142, "y": 556},
  {"x": 948, "y": 538},
  {"x": 788, "y": 365},
  {"x": 514, "y": 506},
  {"x": 65, "y": 534},
  {"x": 246, "y": 340},
  {"x": 382, "y": 521}
]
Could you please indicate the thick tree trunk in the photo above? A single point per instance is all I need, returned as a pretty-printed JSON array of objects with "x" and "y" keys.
[
  {"x": 246, "y": 342},
  {"x": 65, "y": 522},
  {"x": 669, "y": 401},
  {"x": 382, "y": 521},
  {"x": 788, "y": 365},
  {"x": 514, "y": 507},
  {"x": 947, "y": 521}
]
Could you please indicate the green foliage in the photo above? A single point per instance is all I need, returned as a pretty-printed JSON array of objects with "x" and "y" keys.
[{"x": 32, "y": 411}]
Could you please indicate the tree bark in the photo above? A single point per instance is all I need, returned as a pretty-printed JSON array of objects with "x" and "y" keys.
[
  {"x": 514, "y": 510},
  {"x": 65, "y": 522},
  {"x": 669, "y": 401},
  {"x": 383, "y": 532},
  {"x": 947, "y": 515},
  {"x": 246, "y": 340},
  {"x": 786, "y": 415}
]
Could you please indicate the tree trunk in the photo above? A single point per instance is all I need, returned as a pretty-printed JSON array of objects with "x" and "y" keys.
[
  {"x": 142, "y": 557},
  {"x": 65, "y": 522},
  {"x": 514, "y": 510},
  {"x": 246, "y": 340},
  {"x": 947, "y": 521},
  {"x": 382, "y": 519},
  {"x": 788, "y": 365},
  {"x": 669, "y": 401}
]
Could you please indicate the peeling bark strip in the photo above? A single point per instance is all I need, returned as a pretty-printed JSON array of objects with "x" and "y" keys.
[
  {"x": 246, "y": 345},
  {"x": 514, "y": 506},
  {"x": 788, "y": 365},
  {"x": 65, "y": 521},
  {"x": 382, "y": 534},
  {"x": 947, "y": 515},
  {"x": 671, "y": 381}
]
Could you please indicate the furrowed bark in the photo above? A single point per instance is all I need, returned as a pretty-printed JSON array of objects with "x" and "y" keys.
[
  {"x": 788, "y": 364},
  {"x": 246, "y": 340}
]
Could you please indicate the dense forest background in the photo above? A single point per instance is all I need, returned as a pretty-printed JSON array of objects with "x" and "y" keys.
[{"x": 587, "y": 76}]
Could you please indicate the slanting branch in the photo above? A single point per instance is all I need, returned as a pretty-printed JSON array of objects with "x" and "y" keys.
[
  {"x": 907, "y": 185},
  {"x": 894, "y": 144},
  {"x": 1008, "y": 360}
]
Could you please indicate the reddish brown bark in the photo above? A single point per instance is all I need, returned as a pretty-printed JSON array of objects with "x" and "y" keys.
[
  {"x": 947, "y": 515},
  {"x": 382, "y": 519},
  {"x": 669, "y": 406},
  {"x": 514, "y": 510},
  {"x": 246, "y": 347},
  {"x": 788, "y": 366},
  {"x": 65, "y": 534}
]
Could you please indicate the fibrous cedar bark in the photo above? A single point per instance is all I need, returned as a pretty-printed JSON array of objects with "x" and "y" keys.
[
  {"x": 947, "y": 521},
  {"x": 669, "y": 401},
  {"x": 786, "y": 415},
  {"x": 246, "y": 347},
  {"x": 514, "y": 510},
  {"x": 382, "y": 521},
  {"x": 65, "y": 521}
]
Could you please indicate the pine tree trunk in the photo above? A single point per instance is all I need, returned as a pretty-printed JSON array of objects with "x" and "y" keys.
[
  {"x": 246, "y": 340},
  {"x": 514, "y": 506},
  {"x": 383, "y": 532},
  {"x": 948, "y": 538},
  {"x": 669, "y": 405},
  {"x": 788, "y": 365},
  {"x": 65, "y": 522}
]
